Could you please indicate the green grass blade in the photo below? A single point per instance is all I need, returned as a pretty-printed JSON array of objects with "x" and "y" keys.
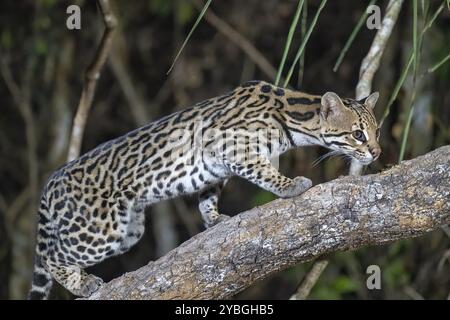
[
  {"x": 304, "y": 42},
  {"x": 415, "y": 42},
  {"x": 289, "y": 40},
  {"x": 426, "y": 10},
  {"x": 199, "y": 18},
  {"x": 407, "y": 127},
  {"x": 416, "y": 54},
  {"x": 397, "y": 88},
  {"x": 352, "y": 37},
  {"x": 301, "y": 69},
  {"x": 439, "y": 64},
  {"x": 405, "y": 71},
  {"x": 433, "y": 18}
]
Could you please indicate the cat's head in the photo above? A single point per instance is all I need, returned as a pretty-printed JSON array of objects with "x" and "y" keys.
[{"x": 349, "y": 126}]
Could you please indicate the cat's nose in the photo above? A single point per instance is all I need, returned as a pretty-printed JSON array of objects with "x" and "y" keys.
[{"x": 375, "y": 152}]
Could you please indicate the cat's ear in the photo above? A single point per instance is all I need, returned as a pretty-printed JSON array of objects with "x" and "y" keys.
[
  {"x": 331, "y": 104},
  {"x": 371, "y": 100}
]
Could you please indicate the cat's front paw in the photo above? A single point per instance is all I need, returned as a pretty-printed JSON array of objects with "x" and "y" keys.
[
  {"x": 220, "y": 218},
  {"x": 299, "y": 185},
  {"x": 89, "y": 284}
]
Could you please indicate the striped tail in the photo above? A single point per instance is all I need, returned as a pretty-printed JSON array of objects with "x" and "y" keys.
[
  {"x": 42, "y": 281},
  {"x": 42, "y": 278}
]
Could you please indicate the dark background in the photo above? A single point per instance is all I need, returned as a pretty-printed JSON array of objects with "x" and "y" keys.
[{"x": 42, "y": 72}]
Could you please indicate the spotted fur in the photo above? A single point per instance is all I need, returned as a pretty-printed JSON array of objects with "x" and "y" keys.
[{"x": 93, "y": 207}]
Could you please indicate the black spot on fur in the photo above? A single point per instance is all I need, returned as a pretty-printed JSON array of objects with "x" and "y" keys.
[
  {"x": 74, "y": 228},
  {"x": 302, "y": 100},
  {"x": 279, "y": 92},
  {"x": 39, "y": 280},
  {"x": 250, "y": 83},
  {"x": 301, "y": 116},
  {"x": 180, "y": 188},
  {"x": 35, "y": 295},
  {"x": 266, "y": 88}
]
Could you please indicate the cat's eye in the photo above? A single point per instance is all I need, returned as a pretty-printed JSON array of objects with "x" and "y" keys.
[
  {"x": 377, "y": 133},
  {"x": 359, "y": 135}
]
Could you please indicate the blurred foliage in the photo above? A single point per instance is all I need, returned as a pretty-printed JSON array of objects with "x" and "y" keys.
[
  {"x": 33, "y": 35},
  {"x": 184, "y": 11},
  {"x": 262, "y": 197}
]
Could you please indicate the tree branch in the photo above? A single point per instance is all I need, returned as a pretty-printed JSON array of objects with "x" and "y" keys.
[
  {"x": 249, "y": 49},
  {"x": 367, "y": 71},
  {"x": 405, "y": 201},
  {"x": 90, "y": 82},
  {"x": 372, "y": 60},
  {"x": 310, "y": 280}
]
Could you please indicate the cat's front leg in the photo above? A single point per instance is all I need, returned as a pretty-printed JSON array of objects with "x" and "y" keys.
[
  {"x": 261, "y": 172},
  {"x": 209, "y": 205}
]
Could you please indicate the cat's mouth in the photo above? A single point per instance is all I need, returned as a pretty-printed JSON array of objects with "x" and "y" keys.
[{"x": 363, "y": 158}]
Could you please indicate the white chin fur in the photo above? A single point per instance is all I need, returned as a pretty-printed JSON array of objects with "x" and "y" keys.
[{"x": 365, "y": 161}]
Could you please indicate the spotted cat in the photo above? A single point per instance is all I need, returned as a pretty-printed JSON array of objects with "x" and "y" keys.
[{"x": 93, "y": 207}]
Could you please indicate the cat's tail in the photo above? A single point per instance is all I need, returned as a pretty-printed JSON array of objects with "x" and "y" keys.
[
  {"x": 42, "y": 281},
  {"x": 42, "y": 278}
]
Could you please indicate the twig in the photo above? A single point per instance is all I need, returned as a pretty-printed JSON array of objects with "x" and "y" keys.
[
  {"x": 438, "y": 64},
  {"x": 241, "y": 42},
  {"x": 310, "y": 280},
  {"x": 372, "y": 60},
  {"x": 17, "y": 206},
  {"x": 412, "y": 293},
  {"x": 122, "y": 74},
  {"x": 91, "y": 77},
  {"x": 10, "y": 83},
  {"x": 22, "y": 98}
]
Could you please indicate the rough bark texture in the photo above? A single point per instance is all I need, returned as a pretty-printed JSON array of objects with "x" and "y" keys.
[{"x": 345, "y": 214}]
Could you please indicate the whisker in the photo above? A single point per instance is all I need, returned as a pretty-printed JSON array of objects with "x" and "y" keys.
[{"x": 330, "y": 154}]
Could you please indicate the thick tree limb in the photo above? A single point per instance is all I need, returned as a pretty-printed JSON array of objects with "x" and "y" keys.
[{"x": 345, "y": 214}]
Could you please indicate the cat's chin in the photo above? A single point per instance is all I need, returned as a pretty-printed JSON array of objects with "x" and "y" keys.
[{"x": 364, "y": 162}]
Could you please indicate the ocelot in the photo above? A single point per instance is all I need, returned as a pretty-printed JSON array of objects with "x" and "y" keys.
[{"x": 93, "y": 207}]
